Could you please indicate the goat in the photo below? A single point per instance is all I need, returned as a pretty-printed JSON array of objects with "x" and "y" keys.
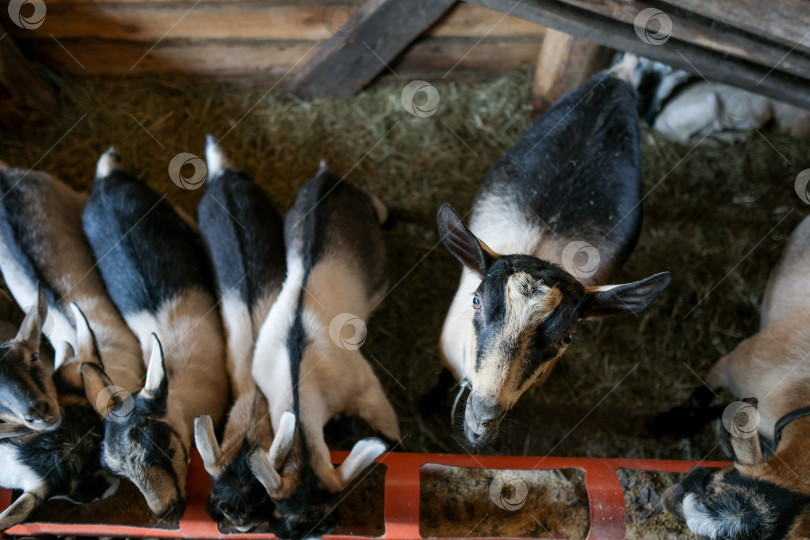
[
  {"x": 27, "y": 393},
  {"x": 64, "y": 461},
  {"x": 569, "y": 187},
  {"x": 42, "y": 245},
  {"x": 689, "y": 110},
  {"x": 758, "y": 497},
  {"x": 157, "y": 274},
  {"x": 244, "y": 235},
  {"x": 308, "y": 369}
]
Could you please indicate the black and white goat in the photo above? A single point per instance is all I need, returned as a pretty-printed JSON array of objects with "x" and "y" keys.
[
  {"x": 767, "y": 498},
  {"x": 244, "y": 234},
  {"x": 568, "y": 190},
  {"x": 157, "y": 274},
  {"x": 304, "y": 363},
  {"x": 692, "y": 110},
  {"x": 42, "y": 245},
  {"x": 27, "y": 393},
  {"x": 64, "y": 461}
]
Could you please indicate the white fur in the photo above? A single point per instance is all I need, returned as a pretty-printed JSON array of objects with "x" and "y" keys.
[
  {"x": 14, "y": 474},
  {"x": 215, "y": 158},
  {"x": 108, "y": 162},
  {"x": 698, "y": 519}
]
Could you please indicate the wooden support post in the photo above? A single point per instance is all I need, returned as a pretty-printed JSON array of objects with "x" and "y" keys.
[
  {"x": 26, "y": 98},
  {"x": 564, "y": 63},
  {"x": 368, "y": 42}
]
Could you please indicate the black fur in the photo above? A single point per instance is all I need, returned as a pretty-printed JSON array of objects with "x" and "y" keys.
[
  {"x": 310, "y": 511},
  {"x": 244, "y": 235},
  {"x": 67, "y": 457},
  {"x": 731, "y": 496},
  {"x": 237, "y": 496},
  {"x": 578, "y": 169},
  {"x": 145, "y": 252}
]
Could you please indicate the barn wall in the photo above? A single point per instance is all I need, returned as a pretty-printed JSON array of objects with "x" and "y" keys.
[{"x": 252, "y": 38}]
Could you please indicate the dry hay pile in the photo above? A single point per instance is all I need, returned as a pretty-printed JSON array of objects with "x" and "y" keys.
[{"x": 457, "y": 502}]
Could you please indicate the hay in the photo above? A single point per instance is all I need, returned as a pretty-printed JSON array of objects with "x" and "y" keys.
[{"x": 716, "y": 218}]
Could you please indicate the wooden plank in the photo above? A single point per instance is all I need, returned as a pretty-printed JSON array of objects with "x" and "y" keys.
[
  {"x": 467, "y": 20},
  {"x": 26, "y": 98},
  {"x": 722, "y": 68},
  {"x": 243, "y": 19},
  {"x": 269, "y": 60},
  {"x": 376, "y": 35},
  {"x": 564, "y": 63},
  {"x": 695, "y": 29},
  {"x": 785, "y": 21}
]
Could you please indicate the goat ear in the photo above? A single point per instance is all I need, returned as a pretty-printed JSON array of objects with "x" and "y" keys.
[
  {"x": 85, "y": 337},
  {"x": 98, "y": 388},
  {"x": 19, "y": 510},
  {"x": 13, "y": 430},
  {"x": 263, "y": 470},
  {"x": 207, "y": 445},
  {"x": 282, "y": 440},
  {"x": 604, "y": 300},
  {"x": 157, "y": 382},
  {"x": 363, "y": 454},
  {"x": 31, "y": 327},
  {"x": 743, "y": 424},
  {"x": 462, "y": 243}
]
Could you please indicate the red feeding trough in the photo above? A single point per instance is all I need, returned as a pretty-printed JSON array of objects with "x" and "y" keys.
[{"x": 402, "y": 496}]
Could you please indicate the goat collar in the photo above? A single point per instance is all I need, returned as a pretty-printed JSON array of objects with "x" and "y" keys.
[{"x": 795, "y": 414}]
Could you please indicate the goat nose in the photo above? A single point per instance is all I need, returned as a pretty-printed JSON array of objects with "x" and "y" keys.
[
  {"x": 484, "y": 409},
  {"x": 41, "y": 413}
]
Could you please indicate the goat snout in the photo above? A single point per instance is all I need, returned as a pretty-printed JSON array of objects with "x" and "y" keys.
[
  {"x": 482, "y": 419},
  {"x": 173, "y": 512},
  {"x": 42, "y": 414}
]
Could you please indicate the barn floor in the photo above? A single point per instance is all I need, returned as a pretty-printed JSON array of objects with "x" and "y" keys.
[{"x": 717, "y": 218}]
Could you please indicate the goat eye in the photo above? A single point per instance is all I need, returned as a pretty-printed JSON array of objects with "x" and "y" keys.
[
  {"x": 567, "y": 339},
  {"x": 34, "y": 357},
  {"x": 476, "y": 302}
]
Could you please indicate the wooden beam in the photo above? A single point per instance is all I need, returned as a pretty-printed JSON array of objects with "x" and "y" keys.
[
  {"x": 740, "y": 73},
  {"x": 564, "y": 63},
  {"x": 243, "y": 20},
  {"x": 26, "y": 98},
  {"x": 785, "y": 21},
  {"x": 758, "y": 47},
  {"x": 369, "y": 42},
  {"x": 265, "y": 62}
]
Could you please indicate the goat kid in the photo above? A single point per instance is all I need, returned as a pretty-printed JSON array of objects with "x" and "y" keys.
[
  {"x": 157, "y": 273},
  {"x": 569, "y": 187},
  {"x": 309, "y": 370},
  {"x": 64, "y": 461},
  {"x": 42, "y": 246},
  {"x": 766, "y": 499},
  {"x": 244, "y": 234},
  {"x": 27, "y": 393}
]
